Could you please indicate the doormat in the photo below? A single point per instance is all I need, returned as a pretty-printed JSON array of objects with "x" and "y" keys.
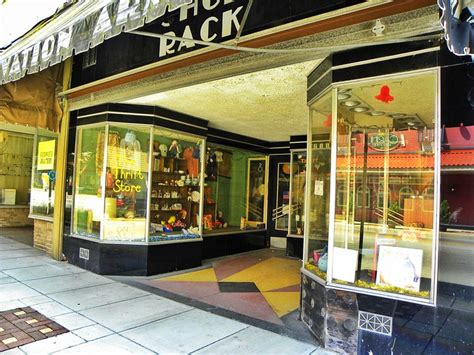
[{"x": 25, "y": 325}]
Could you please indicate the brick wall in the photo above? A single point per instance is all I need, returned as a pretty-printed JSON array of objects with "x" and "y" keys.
[
  {"x": 15, "y": 217},
  {"x": 43, "y": 236}
]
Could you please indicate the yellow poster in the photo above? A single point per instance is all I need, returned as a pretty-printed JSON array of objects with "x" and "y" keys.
[{"x": 46, "y": 151}]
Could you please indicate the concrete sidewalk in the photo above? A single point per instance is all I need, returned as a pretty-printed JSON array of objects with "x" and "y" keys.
[{"x": 107, "y": 317}]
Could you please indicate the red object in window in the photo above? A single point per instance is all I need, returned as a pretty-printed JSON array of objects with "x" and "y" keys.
[
  {"x": 328, "y": 121},
  {"x": 384, "y": 95}
]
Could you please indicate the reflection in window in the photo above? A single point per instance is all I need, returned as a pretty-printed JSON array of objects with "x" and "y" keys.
[
  {"x": 318, "y": 187},
  {"x": 385, "y": 245},
  {"x": 405, "y": 192},
  {"x": 360, "y": 193},
  {"x": 88, "y": 202},
  {"x": 381, "y": 196}
]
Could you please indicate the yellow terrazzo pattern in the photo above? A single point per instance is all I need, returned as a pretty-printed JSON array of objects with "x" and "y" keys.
[
  {"x": 282, "y": 303},
  {"x": 207, "y": 275},
  {"x": 270, "y": 274}
]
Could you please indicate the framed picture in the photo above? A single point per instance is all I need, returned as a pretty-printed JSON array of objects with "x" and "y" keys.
[{"x": 400, "y": 267}]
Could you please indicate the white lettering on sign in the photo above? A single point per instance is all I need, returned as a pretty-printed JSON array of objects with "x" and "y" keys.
[
  {"x": 225, "y": 26},
  {"x": 205, "y": 29},
  {"x": 229, "y": 18}
]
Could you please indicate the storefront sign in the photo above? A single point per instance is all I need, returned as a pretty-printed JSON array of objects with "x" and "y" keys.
[
  {"x": 46, "y": 152},
  {"x": 379, "y": 142},
  {"x": 82, "y": 33},
  {"x": 208, "y": 21}
]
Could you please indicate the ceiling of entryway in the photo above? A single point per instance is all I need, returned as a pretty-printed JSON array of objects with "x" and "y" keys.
[{"x": 269, "y": 104}]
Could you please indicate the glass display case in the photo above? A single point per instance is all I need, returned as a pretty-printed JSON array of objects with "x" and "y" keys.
[
  {"x": 137, "y": 185},
  {"x": 297, "y": 193},
  {"x": 225, "y": 190},
  {"x": 373, "y": 187},
  {"x": 384, "y": 237}
]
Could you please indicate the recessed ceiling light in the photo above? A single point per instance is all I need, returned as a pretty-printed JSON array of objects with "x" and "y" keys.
[
  {"x": 344, "y": 91},
  {"x": 377, "y": 113},
  {"x": 398, "y": 115},
  {"x": 350, "y": 103},
  {"x": 411, "y": 123},
  {"x": 359, "y": 109},
  {"x": 343, "y": 96}
]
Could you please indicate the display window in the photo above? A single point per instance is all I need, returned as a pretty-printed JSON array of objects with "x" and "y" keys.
[
  {"x": 318, "y": 187},
  {"x": 137, "y": 185},
  {"x": 235, "y": 190},
  {"x": 297, "y": 193},
  {"x": 43, "y": 180},
  {"x": 126, "y": 183},
  {"x": 16, "y": 153},
  {"x": 384, "y": 225},
  {"x": 176, "y": 186}
]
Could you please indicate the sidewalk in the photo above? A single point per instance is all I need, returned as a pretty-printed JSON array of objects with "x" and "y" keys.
[{"x": 107, "y": 317}]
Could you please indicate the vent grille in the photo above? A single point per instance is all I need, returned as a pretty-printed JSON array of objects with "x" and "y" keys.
[{"x": 375, "y": 323}]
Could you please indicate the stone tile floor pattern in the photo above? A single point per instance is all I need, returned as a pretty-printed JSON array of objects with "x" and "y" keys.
[
  {"x": 263, "y": 284},
  {"x": 25, "y": 325},
  {"x": 108, "y": 317}
]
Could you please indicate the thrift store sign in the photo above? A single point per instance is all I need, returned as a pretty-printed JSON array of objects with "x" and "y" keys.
[
  {"x": 46, "y": 152},
  {"x": 81, "y": 33}
]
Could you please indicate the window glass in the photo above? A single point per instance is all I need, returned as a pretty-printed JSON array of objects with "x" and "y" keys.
[
  {"x": 175, "y": 187},
  {"x": 225, "y": 190},
  {"x": 456, "y": 249},
  {"x": 319, "y": 165},
  {"x": 126, "y": 184},
  {"x": 16, "y": 151},
  {"x": 298, "y": 186},
  {"x": 89, "y": 169},
  {"x": 44, "y": 176},
  {"x": 383, "y": 129}
]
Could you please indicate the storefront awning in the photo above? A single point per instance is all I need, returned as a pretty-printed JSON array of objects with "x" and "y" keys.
[
  {"x": 76, "y": 29},
  {"x": 458, "y": 22}
]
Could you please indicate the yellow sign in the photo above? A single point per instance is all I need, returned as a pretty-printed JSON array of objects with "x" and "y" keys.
[{"x": 46, "y": 151}]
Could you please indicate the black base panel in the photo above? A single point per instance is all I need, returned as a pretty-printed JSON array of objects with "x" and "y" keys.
[
  {"x": 133, "y": 260},
  {"x": 222, "y": 245}
]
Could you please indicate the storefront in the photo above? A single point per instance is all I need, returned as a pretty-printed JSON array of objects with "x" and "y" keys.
[
  {"x": 30, "y": 114},
  {"x": 159, "y": 179},
  {"x": 166, "y": 188},
  {"x": 385, "y": 148}
]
